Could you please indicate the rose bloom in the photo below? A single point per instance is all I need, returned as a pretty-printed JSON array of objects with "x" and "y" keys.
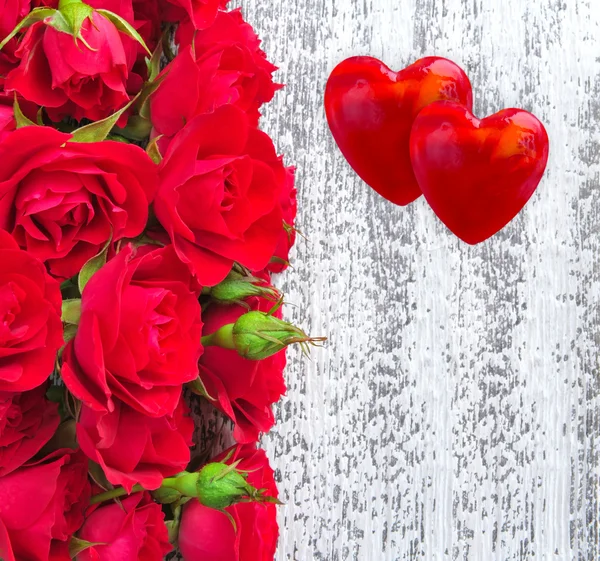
[
  {"x": 217, "y": 203},
  {"x": 139, "y": 334},
  {"x": 262, "y": 148},
  {"x": 31, "y": 329},
  {"x": 62, "y": 201},
  {"x": 27, "y": 422},
  {"x": 69, "y": 79},
  {"x": 206, "y": 534},
  {"x": 130, "y": 530},
  {"x": 245, "y": 390},
  {"x": 41, "y": 506},
  {"x": 198, "y": 13},
  {"x": 134, "y": 448},
  {"x": 227, "y": 68}
]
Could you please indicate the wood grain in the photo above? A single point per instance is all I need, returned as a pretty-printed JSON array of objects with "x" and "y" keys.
[{"x": 455, "y": 413}]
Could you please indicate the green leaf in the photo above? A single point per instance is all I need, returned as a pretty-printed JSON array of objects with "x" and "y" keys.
[
  {"x": 77, "y": 546},
  {"x": 98, "y": 131},
  {"x": 125, "y": 27},
  {"x": 153, "y": 151},
  {"x": 21, "y": 120},
  {"x": 153, "y": 63},
  {"x": 71, "y": 311},
  {"x": 93, "y": 265},
  {"x": 40, "y": 117},
  {"x": 39, "y": 14}
]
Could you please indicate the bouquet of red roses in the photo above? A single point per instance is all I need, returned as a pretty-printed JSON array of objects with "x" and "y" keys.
[{"x": 142, "y": 213}]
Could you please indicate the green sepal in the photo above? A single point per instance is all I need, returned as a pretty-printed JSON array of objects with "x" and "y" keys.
[
  {"x": 70, "y": 19},
  {"x": 92, "y": 266},
  {"x": 137, "y": 128},
  {"x": 69, "y": 331},
  {"x": 197, "y": 387},
  {"x": 124, "y": 27},
  {"x": 99, "y": 130},
  {"x": 77, "y": 546},
  {"x": 153, "y": 150},
  {"x": 71, "y": 311},
  {"x": 153, "y": 63},
  {"x": 20, "y": 118},
  {"x": 39, "y": 14}
]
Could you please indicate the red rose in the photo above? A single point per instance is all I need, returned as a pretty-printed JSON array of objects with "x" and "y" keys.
[
  {"x": 227, "y": 68},
  {"x": 27, "y": 421},
  {"x": 41, "y": 506},
  {"x": 139, "y": 334},
  {"x": 131, "y": 530},
  {"x": 31, "y": 331},
  {"x": 62, "y": 201},
  {"x": 199, "y": 13},
  {"x": 7, "y": 121},
  {"x": 11, "y": 12},
  {"x": 208, "y": 167},
  {"x": 245, "y": 390},
  {"x": 262, "y": 148},
  {"x": 134, "y": 448},
  {"x": 206, "y": 534},
  {"x": 70, "y": 79}
]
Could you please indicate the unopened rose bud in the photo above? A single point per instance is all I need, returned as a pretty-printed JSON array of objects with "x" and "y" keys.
[
  {"x": 216, "y": 485},
  {"x": 258, "y": 335},
  {"x": 236, "y": 288}
]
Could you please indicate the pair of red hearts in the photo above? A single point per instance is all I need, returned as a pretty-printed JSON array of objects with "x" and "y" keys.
[{"x": 412, "y": 132}]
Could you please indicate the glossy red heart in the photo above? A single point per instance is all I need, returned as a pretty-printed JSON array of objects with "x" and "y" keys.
[
  {"x": 370, "y": 110},
  {"x": 477, "y": 174}
]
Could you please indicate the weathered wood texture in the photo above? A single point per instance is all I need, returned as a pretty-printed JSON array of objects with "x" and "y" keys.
[{"x": 455, "y": 413}]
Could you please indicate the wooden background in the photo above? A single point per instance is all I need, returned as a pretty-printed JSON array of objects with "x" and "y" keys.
[{"x": 455, "y": 413}]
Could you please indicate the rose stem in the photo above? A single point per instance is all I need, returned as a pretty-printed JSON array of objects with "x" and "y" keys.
[{"x": 113, "y": 494}]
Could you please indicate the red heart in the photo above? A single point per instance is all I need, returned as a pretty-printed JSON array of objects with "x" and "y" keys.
[
  {"x": 371, "y": 109},
  {"x": 477, "y": 175}
]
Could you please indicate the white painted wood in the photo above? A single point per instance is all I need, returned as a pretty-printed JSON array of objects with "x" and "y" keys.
[{"x": 455, "y": 413}]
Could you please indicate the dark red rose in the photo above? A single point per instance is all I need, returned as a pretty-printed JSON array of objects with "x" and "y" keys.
[
  {"x": 131, "y": 530},
  {"x": 200, "y": 14},
  {"x": 70, "y": 79},
  {"x": 31, "y": 329},
  {"x": 245, "y": 390},
  {"x": 207, "y": 534},
  {"x": 41, "y": 506},
  {"x": 139, "y": 334},
  {"x": 27, "y": 421},
  {"x": 62, "y": 201},
  {"x": 218, "y": 204},
  {"x": 134, "y": 448},
  {"x": 261, "y": 147},
  {"x": 11, "y": 13}
]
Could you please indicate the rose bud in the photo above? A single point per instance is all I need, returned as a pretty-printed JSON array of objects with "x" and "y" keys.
[
  {"x": 237, "y": 287},
  {"x": 257, "y": 335},
  {"x": 217, "y": 485},
  {"x": 206, "y": 534}
]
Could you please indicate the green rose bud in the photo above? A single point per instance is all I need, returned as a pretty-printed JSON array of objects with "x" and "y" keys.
[
  {"x": 258, "y": 335},
  {"x": 216, "y": 485},
  {"x": 236, "y": 288}
]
